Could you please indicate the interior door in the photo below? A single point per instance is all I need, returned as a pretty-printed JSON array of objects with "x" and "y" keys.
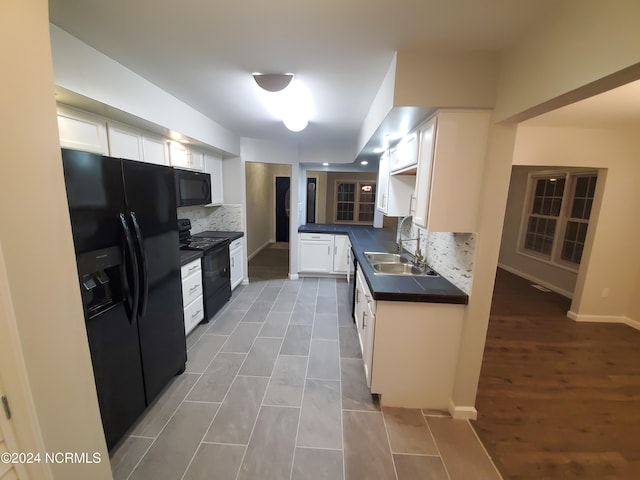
[{"x": 282, "y": 209}]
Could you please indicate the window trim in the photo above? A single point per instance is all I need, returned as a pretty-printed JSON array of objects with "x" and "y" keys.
[
  {"x": 356, "y": 207},
  {"x": 565, "y": 210}
]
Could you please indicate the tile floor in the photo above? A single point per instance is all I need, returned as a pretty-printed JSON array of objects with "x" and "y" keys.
[{"x": 275, "y": 389}]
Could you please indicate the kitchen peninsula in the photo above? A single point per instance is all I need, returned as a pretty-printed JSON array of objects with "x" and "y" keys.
[{"x": 409, "y": 326}]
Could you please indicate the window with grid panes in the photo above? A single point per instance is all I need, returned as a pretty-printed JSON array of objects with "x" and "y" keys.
[
  {"x": 558, "y": 216},
  {"x": 584, "y": 188},
  {"x": 355, "y": 201}
]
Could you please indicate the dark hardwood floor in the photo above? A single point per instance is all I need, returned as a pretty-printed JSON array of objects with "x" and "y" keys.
[
  {"x": 271, "y": 263},
  {"x": 557, "y": 399}
]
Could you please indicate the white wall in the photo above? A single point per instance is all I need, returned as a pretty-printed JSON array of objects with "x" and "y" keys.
[
  {"x": 446, "y": 79},
  {"x": 614, "y": 262},
  {"x": 38, "y": 250},
  {"x": 331, "y": 154},
  {"x": 582, "y": 41},
  {"x": 84, "y": 70}
]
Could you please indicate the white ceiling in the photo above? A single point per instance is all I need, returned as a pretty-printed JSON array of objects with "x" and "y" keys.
[{"x": 203, "y": 52}]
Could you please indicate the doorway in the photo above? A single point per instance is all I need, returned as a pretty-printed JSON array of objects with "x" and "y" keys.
[
  {"x": 283, "y": 208},
  {"x": 311, "y": 200}
]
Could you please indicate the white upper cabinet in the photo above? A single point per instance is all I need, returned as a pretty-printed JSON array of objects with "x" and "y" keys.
[
  {"x": 124, "y": 142},
  {"x": 395, "y": 192},
  {"x": 196, "y": 159},
  {"x": 178, "y": 155},
  {"x": 155, "y": 150},
  {"x": 383, "y": 182},
  {"x": 213, "y": 166},
  {"x": 82, "y": 131},
  {"x": 406, "y": 157},
  {"x": 182, "y": 156},
  {"x": 450, "y": 167}
]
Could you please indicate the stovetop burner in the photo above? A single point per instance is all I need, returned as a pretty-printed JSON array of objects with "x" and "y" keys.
[
  {"x": 189, "y": 242},
  {"x": 201, "y": 243}
]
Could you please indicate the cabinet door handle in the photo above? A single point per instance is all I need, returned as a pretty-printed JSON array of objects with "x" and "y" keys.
[
  {"x": 233, "y": 263},
  {"x": 195, "y": 314},
  {"x": 364, "y": 323},
  {"x": 194, "y": 268},
  {"x": 194, "y": 288},
  {"x": 329, "y": 250}
]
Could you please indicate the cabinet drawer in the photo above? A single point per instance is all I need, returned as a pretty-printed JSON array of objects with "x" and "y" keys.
[
  {"x": 191, "y": 288},
  {"x": 316, "y": 236},
  {"x": 236, "y": 244},
  {"x": 190, "y": 268},
  {"x": 193, "y": 314}
]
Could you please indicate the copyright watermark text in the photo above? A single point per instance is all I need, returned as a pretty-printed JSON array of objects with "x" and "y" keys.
[{"x": 50, "y": 457}]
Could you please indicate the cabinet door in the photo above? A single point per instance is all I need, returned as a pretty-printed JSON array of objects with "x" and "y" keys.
[
  {"x": 341, "y": 258},
  {"x": 179, "y": 155},
  {"x": 368, "y": 326},
  {"x": 213, "y": 166},
  {"x": 406, "y": 156},
  {"x": 236, "y": 259},
  {"x": 81, "y": 131},
  {"x": 316, "y": 253},
  {"x": 383, "y": 183},
  {"x": 124, "y": 143},
  {"x": 155, "y": 150},
  {"x": 196, "y": 160},
  {"x": 423, "y": 175}
]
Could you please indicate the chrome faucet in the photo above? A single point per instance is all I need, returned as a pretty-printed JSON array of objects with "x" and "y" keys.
[{"x": 418, "y": 253}]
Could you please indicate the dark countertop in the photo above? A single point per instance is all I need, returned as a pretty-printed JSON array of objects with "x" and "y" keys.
[
  {"x": 187, "y": 256},
  {"x": 220, "y": 234},
  {"x": 390, "y": 287}
]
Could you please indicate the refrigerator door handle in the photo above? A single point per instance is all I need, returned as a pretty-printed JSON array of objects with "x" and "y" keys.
[
  {"x": 143, "y": 259},
  {"x": 134, "y": 267}
]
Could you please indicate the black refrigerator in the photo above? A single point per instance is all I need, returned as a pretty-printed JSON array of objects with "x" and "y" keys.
[{"x": 123, "y": 217}]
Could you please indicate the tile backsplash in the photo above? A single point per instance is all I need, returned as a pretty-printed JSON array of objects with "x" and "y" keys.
[
  {"x": 449, "y": 253},
  {"x": 225, "y": 218}
]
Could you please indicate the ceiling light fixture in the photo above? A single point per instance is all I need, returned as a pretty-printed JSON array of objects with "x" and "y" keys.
[
  {"x": 325, "y": 164},
  {"x": 273, "y": 82},
  {"x": 286, "y": 99},
  {"x": 364, "y": 162}
]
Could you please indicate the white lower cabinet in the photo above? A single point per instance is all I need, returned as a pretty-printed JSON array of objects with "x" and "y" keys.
[
  {"x": 365, "y": 317},
  {"x": 192, "y": 300},
  {"x": 341, "y": 254},
  {"x": 316, "y": 253},
  {"x": 410, "y": 349},
  {"x": 324, "y": 253},
  {"x": 236, "y": 260}
]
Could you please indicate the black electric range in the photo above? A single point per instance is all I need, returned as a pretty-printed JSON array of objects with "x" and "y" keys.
[{"x": 216, "y": 281}]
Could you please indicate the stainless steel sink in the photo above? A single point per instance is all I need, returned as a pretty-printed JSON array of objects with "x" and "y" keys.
[
  {"x": 385, "y": 257},
  {"x": 397, "y": 269},
  {"x": 385, "y": 263}
]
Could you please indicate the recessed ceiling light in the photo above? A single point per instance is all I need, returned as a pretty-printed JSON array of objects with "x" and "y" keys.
[
  {"x": 325, "y": 164},
  {"x": 364, "y": 162}
]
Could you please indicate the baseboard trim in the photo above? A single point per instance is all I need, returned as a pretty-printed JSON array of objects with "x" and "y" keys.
[
  {"x": 259, "y": 249},
  {"x": 604, "y": 319},
  {"x": 293, "y": 276},
  {"x": 459, "y": 412},
  {"x": 531, "y": 278}
]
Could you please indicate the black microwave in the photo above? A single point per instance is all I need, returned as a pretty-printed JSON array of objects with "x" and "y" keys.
[{"x": 192, "y": 188}]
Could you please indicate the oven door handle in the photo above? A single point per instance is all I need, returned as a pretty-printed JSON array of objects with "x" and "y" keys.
[
  {"x": 134, "y": 268},
  {"x": 143, "y": 259}
]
